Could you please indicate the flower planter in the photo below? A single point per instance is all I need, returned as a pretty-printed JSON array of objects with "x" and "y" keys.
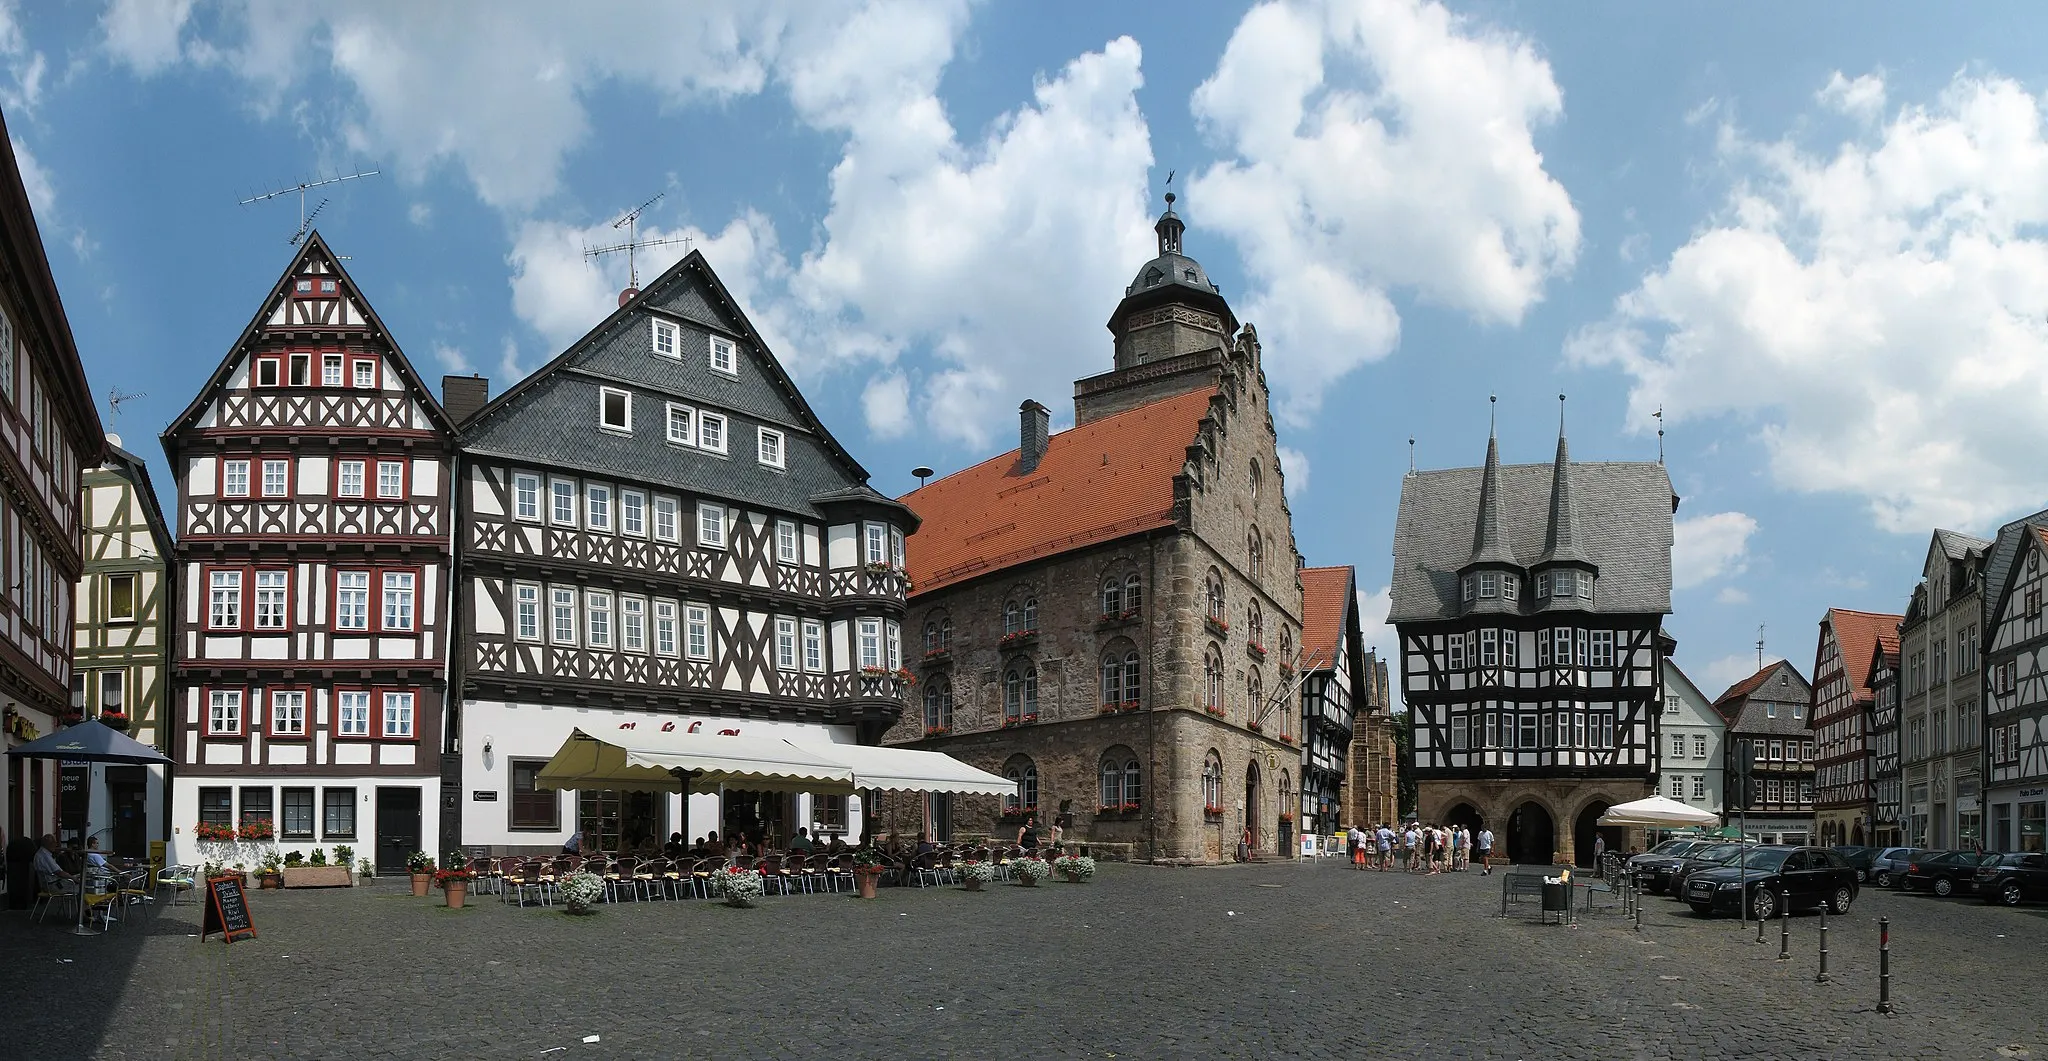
[
  {"x": 316, "y": 877},
  {"x": 864, "y": 880},
  {"x": 973, "y": 884},
  {"x": 458, "y": 891},
  {"x": 270, "y": 880},
  {"x": 1075, "y": 878},
  {"x": 420, "y": 882},
  {"x": 1027, "y": 882}
]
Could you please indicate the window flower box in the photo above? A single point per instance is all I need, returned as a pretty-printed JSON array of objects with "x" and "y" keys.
[
  {"x": 1216, "y": 711},
  {"x": 1110, "y": 708},
  {"x": 1287, "y": 816},
  {"x": 1255, "y": 727},
  {"x": 1019, "y": 813},
  {"x": 1287, "y": 739},
  {"x": 1131, "y": 705},
  {"x": 114, "y": 720},
  {"x": 213, "y": 833},
  {"x": 1018, "y": 638},
  {"x": 1109, "y": 619},
  {"x": 1013, "y": 721},
  {"x": 1213, "y": 811},
  {"x": 900, "y": 674},
  {"x": 881, "y": 567},
  {"x": 72, "y": 717},
  {"x": 937, "y": 731},
  {"x": 1219, "y": 627},
  {"x": 256, "y": 829},
  {"x": 1257, "y": 651},
  {"x": 938, "y": 655},
  {"x": 1130, "y": 808}
]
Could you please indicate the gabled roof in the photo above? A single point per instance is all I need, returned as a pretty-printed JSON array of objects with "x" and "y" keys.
[
  {"x": 1743, "y": 705},
  {"x": 1998, "y": 564},
  {"x": 136, "y": 471},
  {"x": 1752, "y": 685},
  {"x": 1327, "y": 595},
  {"x": 1099, "y": 481},
  {"x": 1959, "y": 546},
  {"x": 314, "y": 247},
  {"x": 1673, "y": 670},
  {"x": 1856, "y": 635}
]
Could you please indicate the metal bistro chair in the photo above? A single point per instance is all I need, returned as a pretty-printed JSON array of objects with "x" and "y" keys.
[
  {"x": 179, "y": 879},
  {"x": 483, "y": 873},
  {"x": 797, "y": 868},
  {"x": 924, "y": 869},
  {"x": 653, "y": 876},
  {"x": 772, "y": 876},
  {"x": 529, "y": 878}
]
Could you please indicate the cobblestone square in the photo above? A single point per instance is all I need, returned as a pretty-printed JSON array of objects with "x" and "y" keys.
[{"x": 1143, "y": 962}]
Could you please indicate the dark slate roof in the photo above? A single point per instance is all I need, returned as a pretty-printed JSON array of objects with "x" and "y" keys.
[
  {"x": 1998, "y": 563},
  {"x": 1624, "y": 517},
  {"x": 1561, "y": 539},
  {"x": 136, "y": 471},
  {"x": 1959, "y": 546},
  {"x": 1489, "y": 542},
  {"x": 40, "y": 310},
  {"x": 1779, "y": 683}
]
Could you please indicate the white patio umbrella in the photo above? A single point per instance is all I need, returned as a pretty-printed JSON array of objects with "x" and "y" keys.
[{"x": 1659, "y": 813}]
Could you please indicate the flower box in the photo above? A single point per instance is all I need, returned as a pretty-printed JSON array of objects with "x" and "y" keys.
[
  {"x": 316, "y": 877},
  {"x": 1019, "y": 637},
  {"x": 937, "y": 731},
  {"x": 1020, "y": 720},
  {"x": 256, "y": 829},
  {"x": 1287, "y": 739},
  {"x": 114, "y": 720},
  {"x": 1217, "y": 711},
  {"x": 938, "y": 655},
  {"x": 1131, "y": 705},
  {"x": 1255, "y": 727},
  {"x": 1219, "y": 627},
  {"x": 1257, "y": 651},
  {"x": 1213, "y": 811},
  {"x": 213, "y": 833},
  {"x": 1130, "y": 808}
]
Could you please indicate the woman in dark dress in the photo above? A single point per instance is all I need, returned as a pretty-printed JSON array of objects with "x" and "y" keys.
[{"x": 1027, "y": 835}]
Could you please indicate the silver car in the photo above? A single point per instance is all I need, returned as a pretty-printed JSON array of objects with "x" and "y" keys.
[{"x": 1888, "y": 866}]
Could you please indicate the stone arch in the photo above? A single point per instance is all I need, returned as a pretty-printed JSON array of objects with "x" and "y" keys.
[
  {"x": 937, "y": 630},
  {"x": 1464, "y": 814},
  {"x": 1528, "y": 830},
  {"x": 1586, "y": 812},
  {"x": 1254, "y": 804}
]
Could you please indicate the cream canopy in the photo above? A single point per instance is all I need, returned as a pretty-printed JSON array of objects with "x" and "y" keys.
[
  {"x": 1658, "y": 812},
  {"x": 649, "y": 760},
  {"x": 910, "y": 770}
]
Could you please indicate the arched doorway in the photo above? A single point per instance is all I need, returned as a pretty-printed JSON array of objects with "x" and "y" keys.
[
  {"x": 1465, "y": 815},
  {"x": 1254, "y": 812},
  {"x": 1532, "y": 836},
  {"x": 1856, "y": 836},
  {"x": 1587, "y": 827}
]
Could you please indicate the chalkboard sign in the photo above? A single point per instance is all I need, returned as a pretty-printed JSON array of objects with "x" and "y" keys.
[{"x": 226, "y": 911}]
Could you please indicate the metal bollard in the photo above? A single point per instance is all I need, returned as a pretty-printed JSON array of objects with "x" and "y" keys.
[
  {"x": 1759, "y": 930},
  {"x": 1639, "y": 915},
  {"x": 1884, "y": 965},
  {"x": 1785, "y": 932},
  {"x": 1822, "y": 976}
]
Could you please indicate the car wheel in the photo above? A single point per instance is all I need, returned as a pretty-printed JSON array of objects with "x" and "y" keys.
[
  {"x": 1764, "y": 904},
  {"x": 1702, "y": 909},
  {"x": 1944, "y": 887},
  {"x": 2011, "y": 894},
  {"x": 1883, "y": 879},
  {"x": 1840, "y": 903}
]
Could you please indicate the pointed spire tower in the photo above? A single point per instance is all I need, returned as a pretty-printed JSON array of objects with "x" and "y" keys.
[
  {"x": 1561, "y": 545},
  {"x": 1491, "y": 575}
]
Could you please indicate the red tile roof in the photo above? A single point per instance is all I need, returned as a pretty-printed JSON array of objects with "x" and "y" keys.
[
  {"x": 1325, "y": 593},
  {"x": 1097, "y": 482},
  {"x": 1747, "y": 685},
  {"x": 1856, "y": 635}
]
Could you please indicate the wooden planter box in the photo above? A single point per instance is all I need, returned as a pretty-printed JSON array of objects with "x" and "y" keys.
[{"x": 317, "y": 877}]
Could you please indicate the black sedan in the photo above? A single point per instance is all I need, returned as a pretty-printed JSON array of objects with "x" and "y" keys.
[
  {"x": 1651, "y": 870},
  {"x": 1943, "y": 872},
  {"x": 1859, "y": 858},
  {"x": 2014, "y": 878},
  {"x": 1773, "y": 879},
  {"x": 1706, "y": 857}
]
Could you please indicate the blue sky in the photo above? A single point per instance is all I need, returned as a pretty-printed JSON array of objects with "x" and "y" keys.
[{"x": 1812, "y": 234}]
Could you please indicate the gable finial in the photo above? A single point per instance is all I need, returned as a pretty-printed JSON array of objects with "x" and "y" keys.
[
  {"x": 1411, "y": 454},
  {"x": 1560, "y": 414},
  {"x": 1492, "y": 405},
  {"x": 1660, "y": 434}
]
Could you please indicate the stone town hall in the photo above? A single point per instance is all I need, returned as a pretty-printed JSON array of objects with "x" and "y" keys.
[{"x": 1111, "y": 616}]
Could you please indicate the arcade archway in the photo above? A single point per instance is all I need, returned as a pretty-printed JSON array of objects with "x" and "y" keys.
[{"x": 1532, "y": 835}]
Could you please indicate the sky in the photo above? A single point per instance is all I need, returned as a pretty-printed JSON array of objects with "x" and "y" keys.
[{"x": 1811, "y": 235}]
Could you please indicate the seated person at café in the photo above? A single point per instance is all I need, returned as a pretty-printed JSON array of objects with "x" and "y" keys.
[
  {"x": 47, "y": 870},
  {"x": 93, "y": 857},
  {"x": 698, "y": 849},
  {"x": 674, "y": 847},
  {"x": 925, "y": 845},
  {"x": 714, "y": 844},
  {"x": 837, "y": 846},
  {"x": 802, "y": 843}
]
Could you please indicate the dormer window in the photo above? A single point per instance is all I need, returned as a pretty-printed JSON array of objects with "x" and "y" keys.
[
  {"x": 665, "y": 340},
  {"x": 1510, "y": 587},
  {"x": 1542, "y": 587},
  {"x": 1471, "y": 588},
  {"x": 722, "y": 356},
  {"x": 1585, "y": 586},
  {"x": 1489, "y": 586}
]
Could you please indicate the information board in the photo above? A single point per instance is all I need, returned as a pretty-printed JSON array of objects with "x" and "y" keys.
[{"x": 227, "y": 912}]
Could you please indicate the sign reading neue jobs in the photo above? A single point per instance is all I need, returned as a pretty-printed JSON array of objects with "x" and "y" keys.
[{"x": 227, "y": 912}]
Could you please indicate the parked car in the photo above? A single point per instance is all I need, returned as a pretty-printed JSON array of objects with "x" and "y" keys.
[
  {"x": 1772, "y": 879},
  {"x": 1888, "y": 867},
  {"x": 1705, "y": 858},
  {"x": 1859, "y": 858},
  {"x": 2014, "y": 878},
  {"x": 1651, "y": 870},
  {"x": 1943, "y": 872}
]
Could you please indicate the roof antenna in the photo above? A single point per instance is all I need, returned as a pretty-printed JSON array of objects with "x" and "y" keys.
[
  {"x": 1759, "y": 646},
  {"x": 301, "y": 188},
  {"x": 631, "y": 223},
  {"x": 1660, "y": 442},
  {"x": 1411, "y": 454},
  {"x": 117, "y": 397}
]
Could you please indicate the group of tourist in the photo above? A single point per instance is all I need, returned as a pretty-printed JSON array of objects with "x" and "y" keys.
[{"x": 1420, "y": 848}]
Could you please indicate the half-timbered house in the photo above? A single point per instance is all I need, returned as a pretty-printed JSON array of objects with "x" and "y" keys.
[
  {"x": 122, "y": 658},
  {"x": 2016, "y": 680},
  {"x": 1844, "y": 802},
  {"x": 1886, "y": 791},
  {"x": 49, "y": 431},
  {"x": 1333, "y": 694},
  {"x": 658, "y": 531},
  {"x": 1529, "y": 600},
  {"x": 1769, "y": 727},
  {"x": 312, "y": 558}
]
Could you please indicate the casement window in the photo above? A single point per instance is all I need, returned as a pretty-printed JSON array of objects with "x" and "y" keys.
[
  {"x": 301, "y": 370},
  {"x": 234, "y": 478},
  {"x": 267, "y": 371},
  {"x": 1542, "y": 649},
  {"x": 1777, "y": 750},
  {"x": 597, "y": 507},
  {"x": 1489, "y": 585},
  {"x": 533, "y": 807},
  {"x": 526, "y": 609},
  {"x": 1550, "y": 730},
  {"x": 1578, "y": 729},
  {"x": 877, "y": 539},
  {"x": 814, "y": 646},
  {"x": 1510, "y": 587},
  {"x": 273, "y": 598},
  {"x": 1542, "y": 586},
  {"x": 295, "y": 822},
  {"x": 1561, "y": 647},
  {"x": 1677, "y": 787},
  {"x": 633, "y": 513},
  {"x": 893, "y": 643},
  {"x": 666, "y": 517},
  {"x": 256, "y": 804},
  {"x": 785, "y": 644},
  {"x": 562, "y": 614},
  {"x": 398, "y": 716},
  {"x": 217, "y": 806},
  {"x": 1699, "y": 787},
  {"x": 597, "y": 618},
  {"x": 768, "y": 447},
  {"x": 785, "y": 542},
  {"x": 665, "y": 344},
  {"x": 697, "y": 630},
  {"x": 710, "y": 525},
  {"x": 633, "y": 624},
  {"x": 120, "y": 598},
  {"x": 1699, "y": 746},
  {"x": 391, "y": 479},
  {"x": 1471, "y": 586},
  {"x": 1581, "y": 642},
  {"x": 1510, "y": 649},
  {"x": 352, "y": 600},
  {"x": 351, "y": 713},
  {"x": 614, "y": 409},
  {"x": 330, "y": 370},
  {"x": 681, "y": 419},
  {"x": 365, "y": 371},
  {"x": 348, "y": 478},
  {"x": 224, "y": 712},
  {"x": 526, "y": 497},
  {"x": 1489, "y": 648},
  {"x": 665, "y": 627},
  {"x": 1607, "y": 730},
  {"x": 1528, "y": 724},
  {"x": 711, "y": 432},
  {"x": 277, "y": 478},
  {"x": 938, "y": 704},
  {"x": 722, "y": 356},
  {"x": 1457, "y": 651},
  {"x": 562, "y": 502},
  {"x": 224, "y": 600},
  {"x": 1678, "y": 745},
  {"x": 398, "y": 600},
  {"x": 896, "y": 549},
  {"x": 338, "y": 807},
  {"x": 1458, "y": 733},
  {"x": 1585, "y": 586},
  {"x": 1603, "y": 648},
  {"x": 870, "y": 642},
  {"x": 288, "y": 716}
]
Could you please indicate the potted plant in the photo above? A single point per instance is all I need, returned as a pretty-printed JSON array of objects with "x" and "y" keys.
[
  {"x": 314, "y": 872},
  {"x": 421, "y": 866},
  {"x": 741, "y": 886},
  {"x": 580, "y": 890},
  {"x": 868, "y": 864},
  {"x": 455, "y": 883},
  {"x": 318, "y": 857},
  {"x": 1031, "y": 869},
  {"x": 114, "y": 720},
  {"x": 366, "y": 871},
  {"x": 976, "y": 874},
  {"x": 345, "y": 857},
  {"x": 1078, "y": 869},
  {"x": 273, "y": 870}
]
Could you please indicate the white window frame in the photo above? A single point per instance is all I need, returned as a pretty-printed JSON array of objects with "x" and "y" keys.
[
  {"x": 556, "y": 495},
  {"x": 331, "y": 370},
  {"x": 723, "y": 350},
  {"x": 352, "y": 713},
  {"x": 399, "y": 715},
  {"x": 788, "y": 542},
  {"x": 273, "y": 601},
  {"x": 400, "y": 601},
  {"x": 870, "y": 643},
  {"x": 875, "y": 543},
  {"x": 707, "y": 510},
  {"x": 597, "y": 618},
  {"x": 785, "y": 644},
  {"x": 681, "y": 425},
  {"x": 562, "y": 615},
  {"x": 633, "y": 624},
  {"x": 396, "y": 481},
  {"x": 351, "y": 478},
  {"x": 666, "y": 332},
  {"x": 224, "y": 601},
  {"x": 526, "y": 611},
  {"x": 604, "y": 420},
  {"x": 670, "y": 511},
  {"x": 224, "y": 712},
  {"x": 352, "y": 600},
  {"x": 283, "y": 467},
  {"x": 597, "y": 506},
  {"x": 365, "y": 372},
  {"x": 814, "y": 646},
  {"x": 633, "y": 513},
  {"x": 697, "y": 631},
  {"x": 278, "y": 699},
  {"x": 771, "y": 447},
  {"x": 665, "y": 643},
  {"x": 526, "y": 497},
  {"x": 712, "y": 429}
]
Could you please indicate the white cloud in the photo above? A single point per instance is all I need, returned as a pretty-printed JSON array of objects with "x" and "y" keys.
[
  {"x": 1716, "y": 676},
  {"x": 1862, "y": 98},
  {"x": 420, "y": 214},
  {"x": 1294, "y": 469},
  {"x": 1877, "y": 310},
  {"x": 886, "y": 403},
  {"x": 145, "y": 33},
  {"x": 452, "y": 358},
  {"x": 1376, "y": 632},
  {"x": 35, "y": 181},
  {"x": 1731, "y": 595},
  {"x": 1373, "y": 145},
  {"x": 25, "y": 65},
  {"x": 1704, "y": 548}
]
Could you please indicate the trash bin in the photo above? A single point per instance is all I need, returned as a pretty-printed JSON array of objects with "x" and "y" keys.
[{"x": 1557, "y": 896}]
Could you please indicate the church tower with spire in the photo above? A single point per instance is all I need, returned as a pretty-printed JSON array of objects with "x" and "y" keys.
[{"x": 1529, "y": 600}]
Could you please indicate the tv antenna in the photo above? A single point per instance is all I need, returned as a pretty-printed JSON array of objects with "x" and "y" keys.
[
  {"x": 116, "y": 398},
  {"x": 301, "y": 188},
  {"x": 631, "y": 223}
]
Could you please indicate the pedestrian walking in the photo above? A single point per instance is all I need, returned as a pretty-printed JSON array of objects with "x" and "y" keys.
[
  {"x": 1383, "y": 843},
  {"x": 1483, "y": 847},
  {"x": 1600, "y": 853},
  {"x": 1457, "y": 847},
  {"x": 1465, "y": 841}
]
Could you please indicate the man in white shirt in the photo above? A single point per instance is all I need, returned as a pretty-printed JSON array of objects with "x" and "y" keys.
[
  {"x": 46, "y": 868},
  {"x": 1483, "y": 848}
]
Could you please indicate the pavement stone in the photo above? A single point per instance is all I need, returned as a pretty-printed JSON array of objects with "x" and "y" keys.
[{"x": 1143, "y": 962}]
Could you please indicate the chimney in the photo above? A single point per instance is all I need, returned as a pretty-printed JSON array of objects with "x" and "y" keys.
[
  {"x": 462, "y": 396},
  {"x": 1033, "y": 432}
]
